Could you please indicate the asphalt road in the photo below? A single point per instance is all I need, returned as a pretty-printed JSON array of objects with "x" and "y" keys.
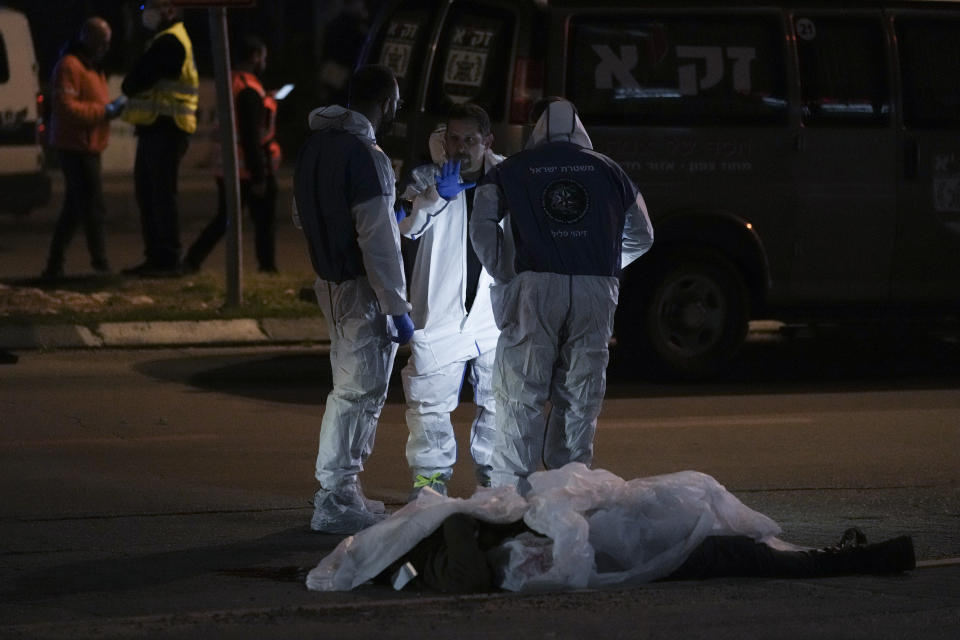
[{"x": 164, "y": 494}]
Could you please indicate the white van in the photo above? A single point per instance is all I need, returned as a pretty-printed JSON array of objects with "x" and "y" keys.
[{"x": 24, "y": 183}]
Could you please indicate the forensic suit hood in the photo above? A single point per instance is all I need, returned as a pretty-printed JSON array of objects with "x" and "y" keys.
[{"x": 559, "y": 123}]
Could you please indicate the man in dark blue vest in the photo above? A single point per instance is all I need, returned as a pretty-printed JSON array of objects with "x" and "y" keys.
[
  {"x": 554, "y": 225},
  {"x": 343, "y": 198}
]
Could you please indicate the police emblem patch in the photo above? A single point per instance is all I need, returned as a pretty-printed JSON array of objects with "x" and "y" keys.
[{"x": 565, "y": 201}]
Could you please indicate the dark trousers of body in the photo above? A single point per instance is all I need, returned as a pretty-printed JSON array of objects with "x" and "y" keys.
[
  {"x": 155, "y": 171},
  {"x": 82, "y": 202},
  {"x": 262, "y": 211},
  {"x": 740, "y": 556}
]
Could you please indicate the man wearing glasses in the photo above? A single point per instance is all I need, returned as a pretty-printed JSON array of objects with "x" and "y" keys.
[{"x": 456, "y": 335}]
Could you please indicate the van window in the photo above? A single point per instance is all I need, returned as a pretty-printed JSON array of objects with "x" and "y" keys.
[
  {"x": 403, "y": 44},
  {"x": 683, "y": 70},
  {"x": 930, "y": 68},
  {"x": 843, "y": 78},
  {"x": 473, "y": 60},
  {"x": 4, "y": 63}
]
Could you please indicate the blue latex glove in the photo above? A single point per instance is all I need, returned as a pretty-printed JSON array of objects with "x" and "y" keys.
[
  {"x": 400, "y": 212},
  {"x": 404, "y": 327},
  {"x": 448, "y": 182}
]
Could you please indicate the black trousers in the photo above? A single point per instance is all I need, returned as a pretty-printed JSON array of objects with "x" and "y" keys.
[
  {"x": 262, "y": 211},
  {"x": 155, "y": 172},
  {"x": 82, "y": 202},
  {"x": 741, "y": 557},
  {"x": 452, "y": 559}
]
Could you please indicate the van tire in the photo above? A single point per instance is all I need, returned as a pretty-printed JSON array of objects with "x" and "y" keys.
[{"x": 695, "y": 315}]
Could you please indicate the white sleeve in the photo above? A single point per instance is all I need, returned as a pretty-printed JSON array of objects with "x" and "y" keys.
[
  {"x": 487, "y": 233},
  {"x": 427, "y": 203},
  {"x": 637, "y": 232},
  {"x": 379, "y": 242},
  {"x": 426, "y": 207}
]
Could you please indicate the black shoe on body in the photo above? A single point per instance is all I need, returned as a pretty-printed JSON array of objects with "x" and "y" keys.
[
  {"x": 890, "y": 556},
  {"x": 852, "y": 537}
]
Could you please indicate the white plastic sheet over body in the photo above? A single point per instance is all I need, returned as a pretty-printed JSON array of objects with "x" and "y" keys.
[
  {"x": 361, "y": 557},
  {"x": 601, "y": 530}
]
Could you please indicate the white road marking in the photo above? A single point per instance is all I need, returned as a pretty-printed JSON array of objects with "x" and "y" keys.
[{"x": 703, "y": 421}]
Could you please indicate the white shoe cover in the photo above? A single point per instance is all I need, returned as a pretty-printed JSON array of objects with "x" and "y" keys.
[
  {"x": 373, "y": 506},
  {"x": 342, "y": 511}
]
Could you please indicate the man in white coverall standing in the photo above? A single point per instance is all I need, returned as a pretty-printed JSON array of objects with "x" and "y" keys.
[
  {"x": 343, "y": 201},
  {"x": 456, "y": 334},
  {"x": 575, "y": 220}
]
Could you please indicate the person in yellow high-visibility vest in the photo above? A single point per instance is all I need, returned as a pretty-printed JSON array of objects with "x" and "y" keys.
[{"x": 162, "y": 87}]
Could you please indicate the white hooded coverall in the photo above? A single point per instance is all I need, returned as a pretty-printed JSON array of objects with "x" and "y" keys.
[
  {"x": 448, "y": 340},
  {"x": 557, "y": 289},
  {"x": 356, "y": 309}
]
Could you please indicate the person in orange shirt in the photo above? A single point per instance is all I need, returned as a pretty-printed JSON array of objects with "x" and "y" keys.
[
  {"x": 79, "y": 131},
  {"x": 259, "y": 156}
]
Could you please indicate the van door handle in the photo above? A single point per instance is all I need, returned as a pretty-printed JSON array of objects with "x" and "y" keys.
[{"x": 911, "y": 159}]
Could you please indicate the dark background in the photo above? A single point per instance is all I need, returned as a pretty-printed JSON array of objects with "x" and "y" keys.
[{"x": 300, "y": 35}]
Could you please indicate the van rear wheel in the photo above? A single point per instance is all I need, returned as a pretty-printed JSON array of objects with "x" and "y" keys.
[{"x": 696, "y": 315}]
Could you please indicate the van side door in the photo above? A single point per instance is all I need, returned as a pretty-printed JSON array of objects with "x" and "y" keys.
[
  {"x": 474, "y": 62},
  {"x": 844, "y": 161},
  {"x": 927, "y": 253},
  {"x": 401, "y": 40}
]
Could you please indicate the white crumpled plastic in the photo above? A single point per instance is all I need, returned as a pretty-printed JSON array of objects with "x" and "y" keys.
[
  {"x": 607, "y": 531},
  {"x": 601, "y": 530},
  {"x": 361, "y": 557}
]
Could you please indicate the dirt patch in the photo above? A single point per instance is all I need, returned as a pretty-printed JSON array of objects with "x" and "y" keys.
[
  {"x": 35, "y": 301},
  {"x": 116, "y": 298}
]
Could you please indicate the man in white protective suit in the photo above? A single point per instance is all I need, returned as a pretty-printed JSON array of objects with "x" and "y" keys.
[
  {"x": 575, "y": 220},
  {"x": 450, "y": 291},
  {"x": 343, "y": 201}
]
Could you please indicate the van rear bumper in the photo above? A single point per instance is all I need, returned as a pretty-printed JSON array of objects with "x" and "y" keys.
[{"x": 23, "y": 192}]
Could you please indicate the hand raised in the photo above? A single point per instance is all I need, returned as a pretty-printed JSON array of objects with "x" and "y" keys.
[{"x": 448, "y": 182}]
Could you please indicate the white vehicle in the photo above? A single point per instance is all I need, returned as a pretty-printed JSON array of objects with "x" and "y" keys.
[{"x": 24, "y": 183}]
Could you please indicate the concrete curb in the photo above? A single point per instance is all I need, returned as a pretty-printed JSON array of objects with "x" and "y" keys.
[
  {"x": 244, "y": 331},
  {"x": 62, "y": 336}
]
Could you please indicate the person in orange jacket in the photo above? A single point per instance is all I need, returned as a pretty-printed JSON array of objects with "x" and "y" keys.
[
  {"x": 259, "y": 157},
  {"x": 79, "y": 131}
]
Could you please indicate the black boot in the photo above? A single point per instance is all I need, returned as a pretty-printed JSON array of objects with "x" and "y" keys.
[{"x": 890, "y": 556}]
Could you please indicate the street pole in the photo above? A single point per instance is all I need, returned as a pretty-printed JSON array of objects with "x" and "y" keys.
[{"x": 228, "y": 148}]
